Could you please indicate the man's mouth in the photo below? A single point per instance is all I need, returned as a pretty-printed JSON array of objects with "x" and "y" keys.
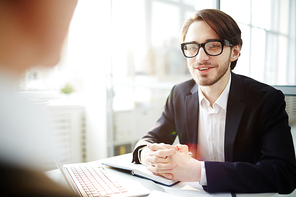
[{"x": 204, "y": 68}]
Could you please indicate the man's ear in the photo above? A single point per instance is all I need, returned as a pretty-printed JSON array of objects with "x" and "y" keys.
[{"x": 235, "y": 52}]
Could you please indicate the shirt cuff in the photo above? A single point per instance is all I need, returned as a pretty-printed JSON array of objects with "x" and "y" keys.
[
  {"x": 203, "y": 176},
  {"x": 139, "y": 153},
  {"x": 136, "y": 154}
]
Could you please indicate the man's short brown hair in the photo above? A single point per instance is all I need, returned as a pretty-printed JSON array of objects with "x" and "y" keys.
[{"x": 220, "y": 22}]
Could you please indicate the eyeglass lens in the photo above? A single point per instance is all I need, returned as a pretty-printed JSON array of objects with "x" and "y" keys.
[{"x": 211, "y": 48}]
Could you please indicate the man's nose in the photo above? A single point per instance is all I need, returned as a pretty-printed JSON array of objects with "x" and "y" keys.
[{"x": 202, "y": 56}]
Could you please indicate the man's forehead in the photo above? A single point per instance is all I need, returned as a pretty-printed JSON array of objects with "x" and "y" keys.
[{"x": 200, "y": 31}]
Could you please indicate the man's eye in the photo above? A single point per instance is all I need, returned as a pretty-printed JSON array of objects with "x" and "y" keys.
[
  {"x": 215, "y": 44},
  {"x": 192, "y": 48}
]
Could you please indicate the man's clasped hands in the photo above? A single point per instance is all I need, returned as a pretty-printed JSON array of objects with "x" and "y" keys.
[{"x": 171, "y": 162}]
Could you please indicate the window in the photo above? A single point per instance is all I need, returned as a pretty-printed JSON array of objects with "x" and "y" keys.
[{"x": 268, "y": 32}]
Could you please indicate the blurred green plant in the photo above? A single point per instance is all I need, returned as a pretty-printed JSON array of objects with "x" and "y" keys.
[{"x": 67, "y": 89}]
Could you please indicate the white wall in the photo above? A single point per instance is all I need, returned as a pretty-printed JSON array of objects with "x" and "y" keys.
[{"x": 88, "y": 56}]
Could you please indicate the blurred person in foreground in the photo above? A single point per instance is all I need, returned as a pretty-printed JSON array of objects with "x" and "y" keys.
[
  {"x": 235, "y": 127},
  {"x": 32, "y": 34}
]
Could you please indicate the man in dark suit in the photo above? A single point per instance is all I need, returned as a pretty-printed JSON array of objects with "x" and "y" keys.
[{"x": 236, "y": 128}]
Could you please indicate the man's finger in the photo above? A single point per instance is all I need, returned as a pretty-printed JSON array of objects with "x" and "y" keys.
[
  {"x": 161, "y": 146},
  {"x": 161, "y": 168},
  {"x": 163, "y": 153},
  {"x": 167, "y": 175},
  {"x": 156, "y": 159},
  {"x": 182, "y": 148}
]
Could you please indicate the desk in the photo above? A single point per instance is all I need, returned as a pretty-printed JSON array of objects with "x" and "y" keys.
[{"x": 181, "y": 189}]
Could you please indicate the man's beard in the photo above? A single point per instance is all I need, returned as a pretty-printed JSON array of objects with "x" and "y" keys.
[{"x": 204, "y": 79}]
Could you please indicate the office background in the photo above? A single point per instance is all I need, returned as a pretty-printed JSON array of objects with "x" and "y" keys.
[{"x": 122, "y": 57}]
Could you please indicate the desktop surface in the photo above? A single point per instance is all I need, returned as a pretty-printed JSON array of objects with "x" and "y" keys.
[{"x": 180, "y": 189}]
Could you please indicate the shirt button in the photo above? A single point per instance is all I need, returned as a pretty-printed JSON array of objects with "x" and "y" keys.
[
  {"x": 210, "y": 138},
  {"x": 213, "y": 158}
]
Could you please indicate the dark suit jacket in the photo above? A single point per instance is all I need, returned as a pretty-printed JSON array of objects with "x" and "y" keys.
[{"x": 259, "y": 151}]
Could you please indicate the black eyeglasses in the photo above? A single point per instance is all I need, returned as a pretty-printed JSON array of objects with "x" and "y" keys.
[{"x": 211, "y": 47}]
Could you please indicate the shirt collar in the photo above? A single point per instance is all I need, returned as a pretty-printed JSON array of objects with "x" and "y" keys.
[{"x": 222, "y": 100}]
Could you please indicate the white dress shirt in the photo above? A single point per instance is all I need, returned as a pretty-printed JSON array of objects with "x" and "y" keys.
[{"x": 211, "y": 129}]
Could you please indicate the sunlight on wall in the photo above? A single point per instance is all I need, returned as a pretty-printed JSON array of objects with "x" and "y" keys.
[{"x": 87, "y": 60}]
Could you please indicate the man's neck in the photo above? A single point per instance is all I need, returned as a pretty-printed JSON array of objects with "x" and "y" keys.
[{"x": 213, "y": 92}]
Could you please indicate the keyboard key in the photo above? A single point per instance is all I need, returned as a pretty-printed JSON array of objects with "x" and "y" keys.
[{"x": 97, "y": 182}]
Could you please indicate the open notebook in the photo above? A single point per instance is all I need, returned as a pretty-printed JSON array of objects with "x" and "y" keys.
[
  {"x": 88, "y": 179},
  {"x": 137, "y": 169}
]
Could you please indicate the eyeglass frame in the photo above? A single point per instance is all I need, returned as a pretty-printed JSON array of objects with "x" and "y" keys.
[{"x": 223, "y": 42}]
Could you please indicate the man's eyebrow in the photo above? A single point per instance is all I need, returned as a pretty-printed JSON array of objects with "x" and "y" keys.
[
  {"x": 208, "y": 40},
  {"x": 212, "y": 40}
]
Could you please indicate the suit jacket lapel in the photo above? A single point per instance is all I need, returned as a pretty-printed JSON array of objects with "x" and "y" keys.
[
  {"x": 235, "y": 110},
  {"x": 191, "y": 104}
]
